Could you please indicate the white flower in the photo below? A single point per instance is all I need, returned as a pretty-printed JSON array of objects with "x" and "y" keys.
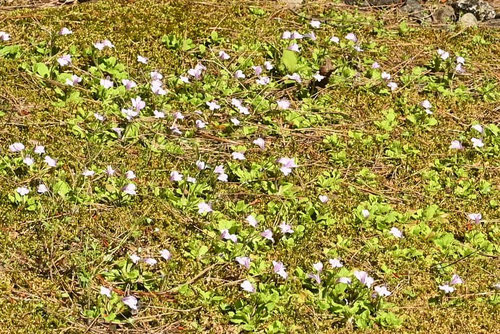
[
  {"x": 476, "y": 217},
  {"x": 382, "y": 291},
  {"x": 105, "y": 291},
  {"x": 335, "y": 39},
  {"x": 296, "y": 35},
  {"x": 283, "y": 104},
  {"x": 39, "y": 149},
  {"x": 142, "y": 60},
  {"x": 201, "y": 165},
  {"x": 110, "y": 171},
  {"x": 239, "y": 74},
  {"x": 294, "y": 47},
  {"x": 478, "y": 128},
  {"x": 244, "y": 261},
  {"x": 23, "y": 191},
  {"x": 315, "y": 24},
  {"x": 364, "y": 278},
  {"x": 223, "y": 55},
  {"x": 476, "y": 142},
  {"x": 351, "y": 37},
  {"x": 443, "y": 54},
  {"x": 286, "y": 35},
  {"x": 28, "y": 160},
  {"x": 50, "y": 162},
  {"x": 4, "y": 36},
  {"x": 106, "y": 83},
  {"x": 64, "y": 60},
  {"x": 323, "y": 198},
  {"x": 318, "y": 77},
  {"x": 426, "y": 104},
  {"x": 158, "y": 114},
  {"x": 260, "y": 143},
  {"x": 392, "y": 85},
  {"x": 365, "y": 213},
  {"x": 235, "y": 121},
  {"x": 87, "y": 173},
  {"x": 65, "y": 31},
  {"x": 268, "y": 65},
  {"x": 99, "y": 117},
  {"x": 238, "y": 156},
  {"x": 129, "y": 84},
  {"x": 134, "y": 258},
  {"x": 295, "y": 77},
  {"x": 130, "y": 175},
  {"x": 42, "y": 188},
  {"x": 318, "y": 266},
  {"x": 446, "y": 288},
  {"x": 385, "y": 76},
  {"x": 251, "y": 221},
  {"x": 165, "y": 254},
  {"x": 204, "y": 208},
  {"x": 130, "y": 189},
  {"x": 345, "y": 280},
  {"x": 456, "y": 145},
  {"x": 150, "y": 261},
  {"x": 396, "y": 232},
  {"x": 335, "y": 263},
  {"x": 263, "y": 81},
  {"x": 175, "y": 176}
]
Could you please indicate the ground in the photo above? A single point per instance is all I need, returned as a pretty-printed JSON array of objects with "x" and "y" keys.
[{"x": 381, "y": 162}]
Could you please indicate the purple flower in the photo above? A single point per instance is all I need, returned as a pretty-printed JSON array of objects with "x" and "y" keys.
[
  {"x": 335, "y": 263},
  {"x": 295, "y": 77},
  {"x": 50, "y": 162},
  {"x": 64, "y": 60},
  {"x": 131, "y": 302},
  {"x": 478, "y": 128},
  {"x": 351, "y": 37},
  {"x": 238, "y": 156},
  {"x": 335, "y": 39},
  {"x": 134, "y": 258},
  {"x": 296, "y": 35},
  {"x": 175, "y": 176},
  {"x": 392, "y": 85},
  {"x": 286, "y": 35},
  {"x": 105, "y": 291},
  {"x": 4, "y": 36},
  {"x": 251, "y": 221},
  {"x": 382, "y": 291},
  {"x": 396, "y": 232},
  {"x": 158, "y": 114},
  {"x": 257, "y": 70},
  {"x": 129, "y": 84},
  {"x": 138, "y": 103},
  {"x": 142, "y": 60},
  {"x": 212, "y": 105},
  {"x": 75, "y": 79},
  {"x": 345, "y": 280},
  {"x": 155, "y": 76},
  {"x": 244, "y": 261},
  {"x": 279, "y": 269},
  {"x": 455, "y": 279},
  {"x": 204, "y": 208},
  {"x": 110, "y": 171},
  {"x": 106, "y": 83},
  {"x": 267, "y": 234},
  {"x": 456, "y": 145},
  {"x": 103, "y": 44},
  {"x": 39, "y": 149},
  {"x": 239, "y": 74},
  {"x": 150, "y": 261},
  {"x": 477, "y": 142},
  {"x": 446, "y": 288},
  {"x": 219, "y": 169},
  {"x": 28, "y": 160},
  {"x": 364, "y": 278},
  {"x": 130, "y": 189},
  {"x": 283, "y": 104},
  {"x": 129, "y": 113},
  {"x": 165, "y": 254},
  {"x": 157, "y": 88},
  {"x": 268, "y": 65},
  {"x": 315, "y": 277},
  {"x": 294, "y": 47},
  {"x": 130, "y": 175},
  {"x": 375, "y": 65},
  {"x": 247, "y": 286},
  {"x": 23, "y": 191},
  {"x": 42, "y": 188},
  {"x": 475, "y": 217},
  {"x": 201, "y": 165},
  {"x": 88, "y": 173},
  {"x": 318, "y": 266},
  {"x": 223, "y": 55},
  {"x": 323, "y": 198},
  {"x": 228, "y": 236},
  {"x": 443, "y": 54},
  {"x": 16, "y": 147},
  {"x": 263, "y": 81},
  {"x": 65, "y": 31},
  {"x": 315, "y": 24},
  {"x": 286, "y": 165},
  {"x": 285, "y": 228}
]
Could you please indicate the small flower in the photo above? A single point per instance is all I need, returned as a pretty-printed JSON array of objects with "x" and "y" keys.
[
  {"x": 267, "y": 234},
  {"x": 88, "y": 173},
  {"x": 99, "y": 117},
  {"x": 365, "y": 213},
  {"x": 105, "y": 291},
  {"x": 184, "y": 79},
  {"x": 294, "y": 47},
  {"x": 396, "y": 232},
  {"x": 286, "y": 165},
  {"x": 251, "y": 221},
  {"x": 16, "y": 147},
  {"x": 235, "y": 121},
  {"x": 315, "y": 24},
  {"x": 39, "y": 149},
  {"x": 103, "y": 44},
  {"x": 150, "y": 261},
  {"x": 358, "y": 48},
  {"x": 318, "y": 77},
  {"x": 426, "y": 104},
  {"x": 351, "y": 37},
  {"x": 138, "y": 103},
  {"x": 158, "y": 114},
  {"x": 130, "y": 175},
  {"x": 110, "y": 171},
  {"x": 260, "y": 143},
  {"x": 345, "y": 280},
  {"x": 268, "y": 65},
  {"x": 118, "y": 131},
  {"x": 476, "y": 142},
  {"x": 239, "y": 74},
  {"x": 129, "y": 113},
  {"x": 131, "y": 302},
  {"x": 295, "y": 77},
  {"x": 134, "y": 258},
  {"x": 191, "y": 179},
  {"x": 244, "y": 261},
  {"x": 201, "y": 165},
  {"x": 279, "y": 268},
  {"x": 142, "y": 60},
  {"x": 42, "y": 188},
  {"x": 4, "y": 36},
  {"x": 285, "y": 228},
  {"x": 323, "y": 198},
  {"x": 364, "y": 278},
  {"x": 157, "y": 88},
  {"x": 238, "y": 156},
  {"x": 175, "y": 176},
  {"x": 446, "y": 288},
  {"x": 65, "y": 31},
  {"x": 335, "y": 39},
  {"x": 385, "y": 76},
  {"x": 28, "y": 160},
  {"x": 228, "y": 236},
  {"x": 443, "y": 54},
  {"x": 315, "y": 277},
  {"x": 106, "y": 83},
  {"x": 155, "y": 76},
  {"x": 64, "y": 60},
  {"x": 204, "y": 208},
  {"x": 335, "y": 263},
  {"x": 223, "y": 55},
  {"x": 247, "y": 286},
  {"x": 23, "y": 191},
  {"x": 130, "y": 189},
  {"x": 456, "y": 145},
  {"x": 375, "y": 65},
  {"x": 257, "y": 70},
  {"x": 296, "y": 35},
  {"x": 455, "y": 279},
  {"x": 75, "y": 79},
  {"x": 212, "y": 105},
  {"x": 382, "y": 291},
  {"x": 49, "y": 161},
  {"x": 222, "y": 177},
  {"x": 460, "y": 60},
  {"x": 478, "y": 128},
  {"x": 165, "y": 254},
  {"x": 392, "y": 85},
  {"x": 283, "y": 104},
  {"x": 263, "y": 81},
  {"x": 286, "y": 35},
  {"x": 475, "y": 217},
  {"x": 129, "y": 84},
  {"x": 318, "y": 266}
]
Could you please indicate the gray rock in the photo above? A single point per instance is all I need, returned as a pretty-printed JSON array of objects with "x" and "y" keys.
[
  {"x": 444, "y": 14},
  {"x": 481, "y": 9},
  {"x": 374, "y": 3},
  {"x": 415, "y": 10},
  {"x": 468, "y": 20}
]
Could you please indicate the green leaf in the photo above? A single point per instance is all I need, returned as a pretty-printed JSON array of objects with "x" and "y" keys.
[
  {"x": 41, "y": 69},
  {"x": 62, "y": 188},
  {"x": 289, "y": 60}
]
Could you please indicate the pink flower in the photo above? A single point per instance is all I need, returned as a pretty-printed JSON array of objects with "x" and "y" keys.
[
  {"x": 251, "y": 221},
  {"x": 75, "y": 79},
  {"x": 165, "y": 254},
  {"x": 175, "y": 176},
  {"x": 228, "y": 236},
  {"x": 105, "y": 291},
  {"x": 279, "y": 269},
  {"x": 65, "y": 31},
  {"x": 16, "y": 147},
  {"x": 244, "y": 261},
  {"x": 295, "y": 77},
  {"x": 323, "y": 198},
  {"x": 212, "y": 105},
  {"x": 285, "y": 228},
  {"x": 131, "y": 302},
  {"x": 351, "y": 37},
  {"x": 335, "y": 263},
  {"x": 315, "y": 24},
  {"x": 456, "y": 145},
  {"x": 263, "y": 81},
  {"x": 239, "y": 74},
  {"x": 4, "y": 37},
  {"x": 455, "y": 279},
  {"x": 286, "y": 165},
  {"x": 475, "y": 217},
  {"x": 138, "y": 103},
  {"x": 294, "y": 47},
  {"x": 283, "y": 104},
  {"x": 106, "y": 83},
  {"x": 223, "y": 55},
  {"x": 130, "y": 189},
  {"x": 315, "y": 277},
  {"x": 267, "y": 234},
  {"x": 364, "y": 278},
  {"x": 260, "y": 143},
  {"x": 335, "y": 39},
  {"x": 142, "y": 60},
  {"x": 247, "y": 286},
  {"x": 129, "y": 84},
  {"x": 204, "y": 208},
  {"x": 64, "y": 60},
  {"x": 477, "y": 142}
]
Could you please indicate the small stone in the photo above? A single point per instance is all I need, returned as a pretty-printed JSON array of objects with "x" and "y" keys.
[
  {"x": 415, "y": 10},
  {"x": 444, "y": 14},
  {"x": 468, "y": 20},
  {"x": 481, "y": 9}
]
